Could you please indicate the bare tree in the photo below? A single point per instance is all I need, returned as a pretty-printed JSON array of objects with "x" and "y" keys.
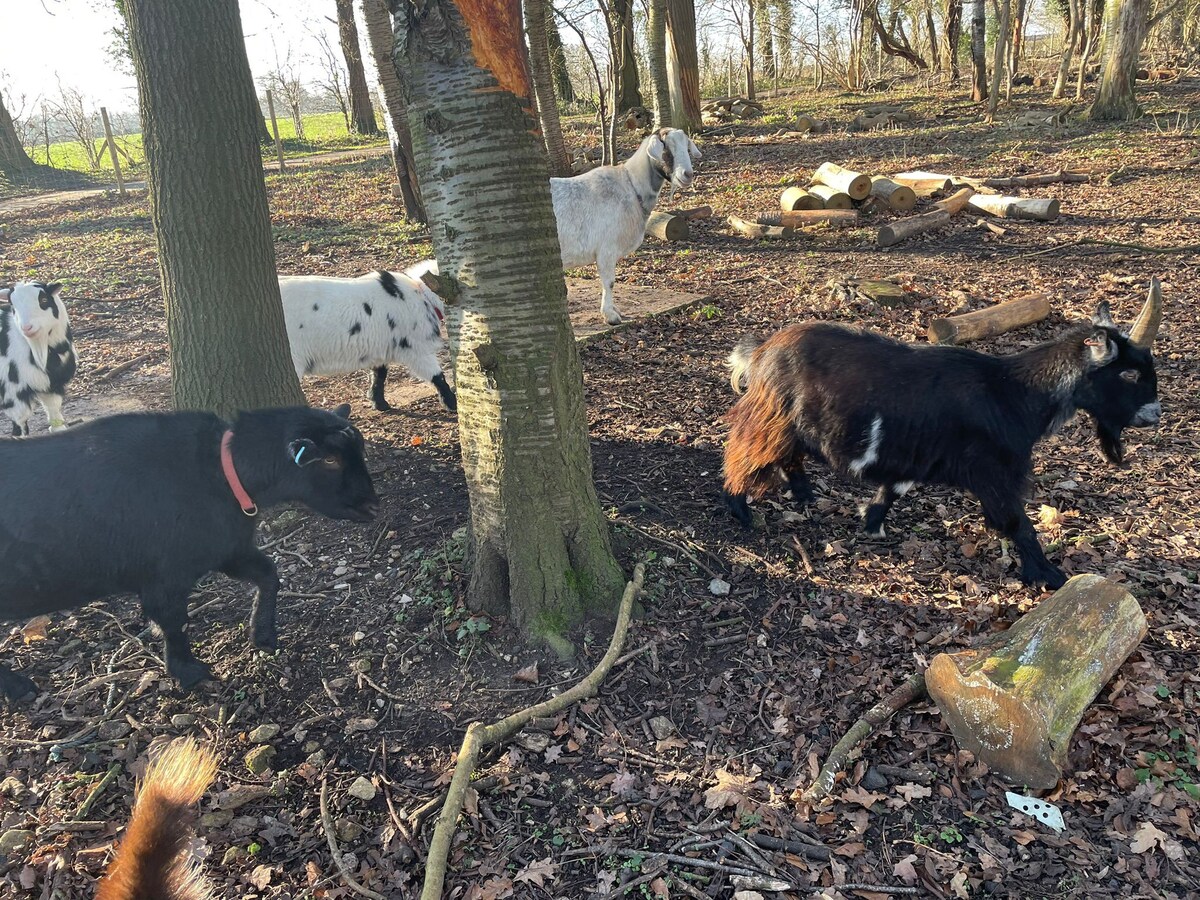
[
  {"x": 542, "y": 75},
  {"x": 81, "y": 117},
  {"x": 284, "y": 81},
  {"x": 683, "y": 64},
  {"x": 12, "y": 147},
  {"x": 333, "y": 81},
  {"x": 362, "y": 113}
]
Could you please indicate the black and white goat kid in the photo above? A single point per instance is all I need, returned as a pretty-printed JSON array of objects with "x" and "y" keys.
[
  {"x": 37, "y": 355},
  {"x": 897, "y": 414}
]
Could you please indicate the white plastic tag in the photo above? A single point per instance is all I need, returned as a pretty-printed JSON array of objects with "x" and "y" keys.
[{"x": 1046, "y": 813}]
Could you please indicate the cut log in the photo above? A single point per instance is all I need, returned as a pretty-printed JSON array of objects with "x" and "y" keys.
[
  {"x": 668, "y": 227},
  {"x": 899, "y": 197},
  {"x": 956, "y": 202},
  {"x": 1015, "y": 700},
  {"x": 798, "y": 198},
  {"x": 903, "y": 229},
  {"x": 696, "y": 212},
  {"x": 761, "y": 230},
  {"x": 924, "y": 183},
  {"x": 1041, "y": 210},
  {"x": 856, "y": 185},
  {"x": 806, "y": 124},
  {"x": 1059, "y": 177},
  {"x": 832, "y": 197},
  {"x": 985, "y": 323},
  {"x": 802, "y": 218}
]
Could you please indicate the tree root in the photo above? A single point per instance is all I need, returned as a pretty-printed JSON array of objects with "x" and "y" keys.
[
  {"x": 479, "y": 736},
  {"x": 913, "y": 689}
]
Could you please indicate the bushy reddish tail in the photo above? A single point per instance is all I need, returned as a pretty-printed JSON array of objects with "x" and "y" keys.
[
  {"x": 762, "y": 438},
  {"x": 152, "y": 862}
]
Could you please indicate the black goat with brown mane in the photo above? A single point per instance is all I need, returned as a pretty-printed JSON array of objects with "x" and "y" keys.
[{"x": 898, "y": 414}]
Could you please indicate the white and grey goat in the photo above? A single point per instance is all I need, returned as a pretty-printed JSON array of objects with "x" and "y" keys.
[
  {"x": 602, "y": 214},
  {"x": 37, "y": 354},
  {"x": 339, "y": 325}
]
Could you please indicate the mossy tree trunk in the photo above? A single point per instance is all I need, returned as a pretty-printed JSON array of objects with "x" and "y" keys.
[
  {"x": 542, "y": 73},
  {"x": 229, "y": 347},
  {"x": 953, "y": 32},
  {"x": 380, "y": 38},
  {"x": 12, "y": 153},
  {"x": 999, "y": 55},
  {"x": 563, "y": 89},
  {"x": 629, "y": 89},
  {"x": 656, "y": 37},
  {"x": 1115, "y": 99},
  {"x": 540, "y": 545},
  {"x": 362, "y": 112},
  {"x": 684, "y": 64}
]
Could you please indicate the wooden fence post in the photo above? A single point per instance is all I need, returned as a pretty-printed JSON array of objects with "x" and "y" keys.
[
  {"x": 112, "y": 151},
  {"x": 275, "y": 129}
]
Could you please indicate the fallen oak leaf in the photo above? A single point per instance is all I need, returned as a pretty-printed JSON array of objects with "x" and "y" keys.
[{"x": 537, "y": 872}]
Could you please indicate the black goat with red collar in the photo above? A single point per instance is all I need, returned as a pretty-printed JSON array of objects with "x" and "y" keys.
[{"x": 143, "y": 504}]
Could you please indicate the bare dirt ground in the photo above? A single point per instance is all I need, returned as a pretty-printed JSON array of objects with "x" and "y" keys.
[{"x": 382, "y": 667}]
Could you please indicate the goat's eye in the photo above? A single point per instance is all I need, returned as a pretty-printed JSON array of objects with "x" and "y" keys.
[
  {"x": 1131, "y": 375},
  {"x": 332, "y": 461}
]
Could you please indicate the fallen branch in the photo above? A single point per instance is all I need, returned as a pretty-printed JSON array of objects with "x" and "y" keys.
[
  {"x": 761, "y": 231},
  {"x": 902, "y": 229},
  {"x": 1116, "y": 245},
  {"x": 331, "y": 839},
  {"x": 696, "y": 212},
  {"x": 479, "y": 736},
  {"x": 912, "y": 690},
  {"x": 122, "y": 368},
  {"x": 94, "y": 794},
  {"x": 1059, "y": 177}
]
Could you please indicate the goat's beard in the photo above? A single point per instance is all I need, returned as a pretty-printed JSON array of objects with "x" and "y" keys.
[
  {"x": 39, "y": 346},
  {"x": 1110, "y": 444}
]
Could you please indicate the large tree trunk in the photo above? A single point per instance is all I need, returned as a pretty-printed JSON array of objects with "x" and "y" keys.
[
  {"x": 12, "y": 153},
  {"x": 1074, "y": 33},
  {"x": 1115, "y": 98},
  {"x": 1016, "y": 38},
  {"x": 229, "y": 347},
  {"x": 540, "y": 545},
  {"x": 563, "y": 89},
  {"x": 543, "y": 87},
  {"x": 979, "y": 89},
  {"x": 1002, "y": 36},
  {"x": 362, "y": 113},
  {"x": 934, "y": 56},
  {"x": 684, "y": 65},
  {"x": 380, "y": 39},
  {"x": 751, "y": 25},
  {"x": 953, "y": 35},
  {"x": 656, "y": 38},
  {"x": 1092, "y": 29},
  {"x": 629, "y": 90}
]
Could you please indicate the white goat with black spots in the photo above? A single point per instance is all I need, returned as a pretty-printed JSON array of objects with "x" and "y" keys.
[
  {"x": 602, "y": 214},
  {"x": 37, "y": 355},
  {"x": 345, "y": 324}
]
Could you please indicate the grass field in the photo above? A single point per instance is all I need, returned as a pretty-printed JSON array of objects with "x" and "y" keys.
[{"x": 322, "y": 132}]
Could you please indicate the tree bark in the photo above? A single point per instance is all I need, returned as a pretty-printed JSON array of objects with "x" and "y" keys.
[
  {"x": 1015, "y": 40},
  {"x": 934, "y": 56},
  {"x": 629, "y": 89},
  {"x": 979, "y": 89},
  {"x": 540, "y": 545},
  {"x": 12, "y": 153},
  {"x": 683, "y": 62},
  {"x": 229, "y": 346},
  {"x": 1015, "y": 700},
  {"x": 543, "y": 87},
  {"x": 563, "y": 89},
  {"x": 656, "y": 39},
  {"x": 1002, "y": 36},
  {"x": 362, "y": 113},
  {"x": 1074, "y": 33},
  {"x": 1115, "y": 99},
  {"x": 380, "y": 39},
  {"x": 953, "y": 33}
]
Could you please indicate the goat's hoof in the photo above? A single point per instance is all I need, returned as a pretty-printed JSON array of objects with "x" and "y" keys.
[
  {"x": 1051, "y": 577},
  {"x": 266, "y": 641},
  {"x": 191, "y": 672},
  {"x": 613, "y": 318},
  {"x": 15, "y": 687},
  {"x": 382, "y": 406}
]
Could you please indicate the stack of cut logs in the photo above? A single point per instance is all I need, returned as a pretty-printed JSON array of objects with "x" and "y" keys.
[{"x": 727, "y": 108}]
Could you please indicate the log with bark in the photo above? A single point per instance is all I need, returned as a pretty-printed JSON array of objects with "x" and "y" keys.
[
  {"x": 910, "y": 226},
  {"x": 985, "y": 323},
  {"x": 1060, "y": 177},
  {"x": 1016, "y": 699},
  {"x": 832, "y": 197},
  {"x": 769, "y": 230},
  {"x": 899, "y": 197},
  {"x": 884, "y": 292},
  {"x": 956, "y": 202},
  {"x": 798, "y": 198},
  {"x": 696, "y": 212},
  {"x": 857, "y": 185},
  {"x": 807, "y": 124},
  {"x": 924, "y": 184},
  {"x": 1035, "y": 118},
  {"x": 802, "y": 218},
  {"x": 1041, "y": 210},
  {"x": 668, "y": 226}
]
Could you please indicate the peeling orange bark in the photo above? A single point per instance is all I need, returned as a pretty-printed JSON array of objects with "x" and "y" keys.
[{"x": 497, "y": 41}]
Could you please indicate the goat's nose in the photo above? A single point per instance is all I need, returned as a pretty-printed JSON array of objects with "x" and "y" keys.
[{"x": 29, "y": 329}]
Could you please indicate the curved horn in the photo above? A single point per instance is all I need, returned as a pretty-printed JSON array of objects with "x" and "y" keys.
[{"x": 1146, "y": 327}]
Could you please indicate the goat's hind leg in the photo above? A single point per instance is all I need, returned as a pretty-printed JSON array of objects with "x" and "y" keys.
[
  {"x": 255, "y": 566},
  {"x": 878, "y": 509},
  {"x": 607, "y": 267},
  {"x": 797, "y": 479},
  {"x": 167, "y": 608},
  {"x": 378, "y": 384}
]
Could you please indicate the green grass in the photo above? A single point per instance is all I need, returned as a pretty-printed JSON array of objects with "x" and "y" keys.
[{"x": 322, "y": 131}]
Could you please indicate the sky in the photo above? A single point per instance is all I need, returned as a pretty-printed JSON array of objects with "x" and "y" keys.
[{"x": 44, "y": 40}]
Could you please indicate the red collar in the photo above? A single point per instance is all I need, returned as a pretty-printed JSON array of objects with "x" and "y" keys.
[{"x": 231, "y": 477}]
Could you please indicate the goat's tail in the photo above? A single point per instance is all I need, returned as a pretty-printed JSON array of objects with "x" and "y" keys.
[
  {"x": 762, "y": 438},
  {"x": 152, "y": 860},
  {"x": 740, "y": 360}
]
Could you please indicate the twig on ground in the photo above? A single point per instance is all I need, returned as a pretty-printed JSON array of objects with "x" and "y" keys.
[
  {"x": 912, "y": 689},
  {"x": 691, "y": 557},
  {"x": 876, "y": 888},
  {"x": 94, "y": 793},
  {"x": 122, "y": 368},
  {"x": 479, "y": 736},
  {"x": 1116, "y": 245},
  {"x": 331, "y": 839}
]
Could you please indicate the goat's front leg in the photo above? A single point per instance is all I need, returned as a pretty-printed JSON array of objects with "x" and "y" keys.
[
  {"x": 880, "y": 505},
  {"x": 167, "y": 608},
  {"x": 255, "y": 566},
  {"x": 52, "y": 404},
  {"x": 607, "y": 267},
  {"x": 378, "y": 382},
  {"x": 1008, "y": 517}
]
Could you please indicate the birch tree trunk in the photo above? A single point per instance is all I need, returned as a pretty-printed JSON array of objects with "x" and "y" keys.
[
  {"x": 12, "y": 153},
  {"x": 543, "y": 87},
  {"x": 1115, "y": 99},
  {"x": 378, "y": 22},
  {"x": 229, "y": 347},
  {"x": 656, "y": 37},
  {"x": 684, "y": 64},
  {"x": 979, "y": 88},
  {"x": 540, "y": 546},
  {"x": 362, "y": 113}
]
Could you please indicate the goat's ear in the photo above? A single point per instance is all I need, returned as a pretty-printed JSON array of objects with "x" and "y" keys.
[
  {"x": 1100, "y": 350},
  {"x": 5, "y": 294},
  {"x": 54, "y": 289},
  {"x": 343, "y": 411},
  {"x": 656, "y": 148},
  {"x": 1103, "y": 316},
  {"x": 693, "y": 150},
  {"x": 303, "y": 452}
]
